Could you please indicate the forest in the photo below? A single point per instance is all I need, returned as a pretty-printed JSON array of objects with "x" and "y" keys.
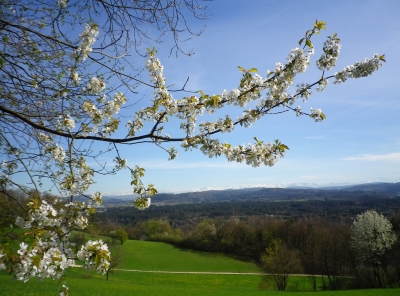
[
  {"x": 288, "y": 236},
  {"x": 181, "y": 209},
  {"x": 284, "y": 236}
]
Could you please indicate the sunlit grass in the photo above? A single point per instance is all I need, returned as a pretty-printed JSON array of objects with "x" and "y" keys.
[
  {"x": 159, "y": 256},
  {"x": 145, "y": 255}
]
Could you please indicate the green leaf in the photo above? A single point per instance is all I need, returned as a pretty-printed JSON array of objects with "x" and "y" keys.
[
  {"x": 308, "y": 43},
  {"x": 98, "y": 260},
  {"x": 283, "y": 147},
  {"x": 36, "y": 261},
  {"x": 253, "y": 70},
  {"x": 301, "y": 41},
  {"x": 241, "y": 69},
  {"x": 320, "y": 25}
]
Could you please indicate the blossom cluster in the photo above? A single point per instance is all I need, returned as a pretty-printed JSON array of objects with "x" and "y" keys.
[
  {"x": 360, "y": 69},
  {"x": 99, "y": 114},
  {"x": 190, "y": 108},
  {"x": 75, "y": 77},
  {"x": 372, "y": 235},
  {"x": 331, "y": 53},
  {"x": 88, "y": 37},
  {"x": 96, "y": 85},
  {"x": 51, "y": 251},
  {"x": 2, "y": 259},
  {"x": 120, "y": 163},
  {"x": 276, "y": 85},
  {"x": 224, "y": 125},
  {"x": 254, "y": 154},
  {"x": 95, "y": 254},
  {"x": 155, "y": 69},
  {"x": 41, "y": 262},
  {"x": 163, "y": 99},
  {"x": 143, "y": 199},
  {"x": 62, "y": 3},
  {"x": 322, "y": 85},
  {"x": 317, "y": 114},
  {"x": 56, "y": 151},
  {"x": 303, "y": 91},
  {"x": 68, "y": 122},
  {"x": 8, "y": 167},
  {"x": 297, "y": 62},
  {"x": 79, "y": 180}
]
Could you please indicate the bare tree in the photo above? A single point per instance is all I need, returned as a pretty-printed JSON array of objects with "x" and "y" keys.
[{"x": 281, "y": 262}]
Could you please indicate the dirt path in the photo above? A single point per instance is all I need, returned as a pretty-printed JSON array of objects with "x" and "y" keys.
[
  {"x": 196, "y": 272},
  {"x": 191, "y": 272},
  {"x": 204, "y": 272}
]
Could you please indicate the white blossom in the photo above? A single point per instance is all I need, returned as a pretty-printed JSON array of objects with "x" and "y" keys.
[
  {"x": 142, "y": 203},
  {"x": 75, "y": 77},
  {"x": 55, "y": 150},
  {"x": 2, "y": 259},
  {"x": 120, "y": 163},
  {"x": 62, "y": 3},
  {"x": 317, "y": 115},
  {"x": 96, "y": 85},
  {"x": 372, "y": 235},
  {"x": 68, "y": 122},
  {"x": 359, "y": 69},
  {"x": 322, "y": 85},
  {"x": 88, "y": 37},
  {"x": 95, "y": 254},
  {"x": 9, "y": 167},
  {"x": 298, "y": 111},
  {"x": 331, "y": 52}
]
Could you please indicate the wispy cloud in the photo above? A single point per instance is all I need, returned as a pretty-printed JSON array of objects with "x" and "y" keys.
[
  {"x": 318, "y": 138},
  {"x": 162, "y": 163},
  {"x": 170, "y": 165},
  {"x": 376, "y": 157},
  {"x": 207, "y": 188},
  {"x": 310, "y": 177}
]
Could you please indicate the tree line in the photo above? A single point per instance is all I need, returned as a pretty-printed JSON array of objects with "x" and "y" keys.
[
  {"x": 317, "y": 247},
  {"x": 331, "y": 208}
]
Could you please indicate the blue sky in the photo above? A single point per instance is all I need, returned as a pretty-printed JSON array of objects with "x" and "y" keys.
[{"x": 358, "y": 142}]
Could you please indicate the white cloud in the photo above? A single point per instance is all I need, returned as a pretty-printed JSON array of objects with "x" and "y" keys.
[
  {"x": 310, "y": 177},
  {"x": 318, "y": 138},
  {"x": 376, "y": 157},
  {"x": 162, "y": 164}
]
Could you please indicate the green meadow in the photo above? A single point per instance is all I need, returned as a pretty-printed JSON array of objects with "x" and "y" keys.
[
  {"x": 151, "y": 256},
  {"x": 145, "y": 255}
]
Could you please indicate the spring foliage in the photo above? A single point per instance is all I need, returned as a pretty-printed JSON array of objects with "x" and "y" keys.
[
  {"x": 59, "y": 63},
  {"x": 372, "y": 236}
]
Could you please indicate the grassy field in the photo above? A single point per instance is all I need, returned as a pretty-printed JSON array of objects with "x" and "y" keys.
[
  {"x": 158, "y": 256},
  {"x": 144, "y": 255}
]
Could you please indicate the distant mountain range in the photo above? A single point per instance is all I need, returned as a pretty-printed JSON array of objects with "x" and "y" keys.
[
  {"x": 292, "y": 192},
  {"x": 375, "y": 187}
]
